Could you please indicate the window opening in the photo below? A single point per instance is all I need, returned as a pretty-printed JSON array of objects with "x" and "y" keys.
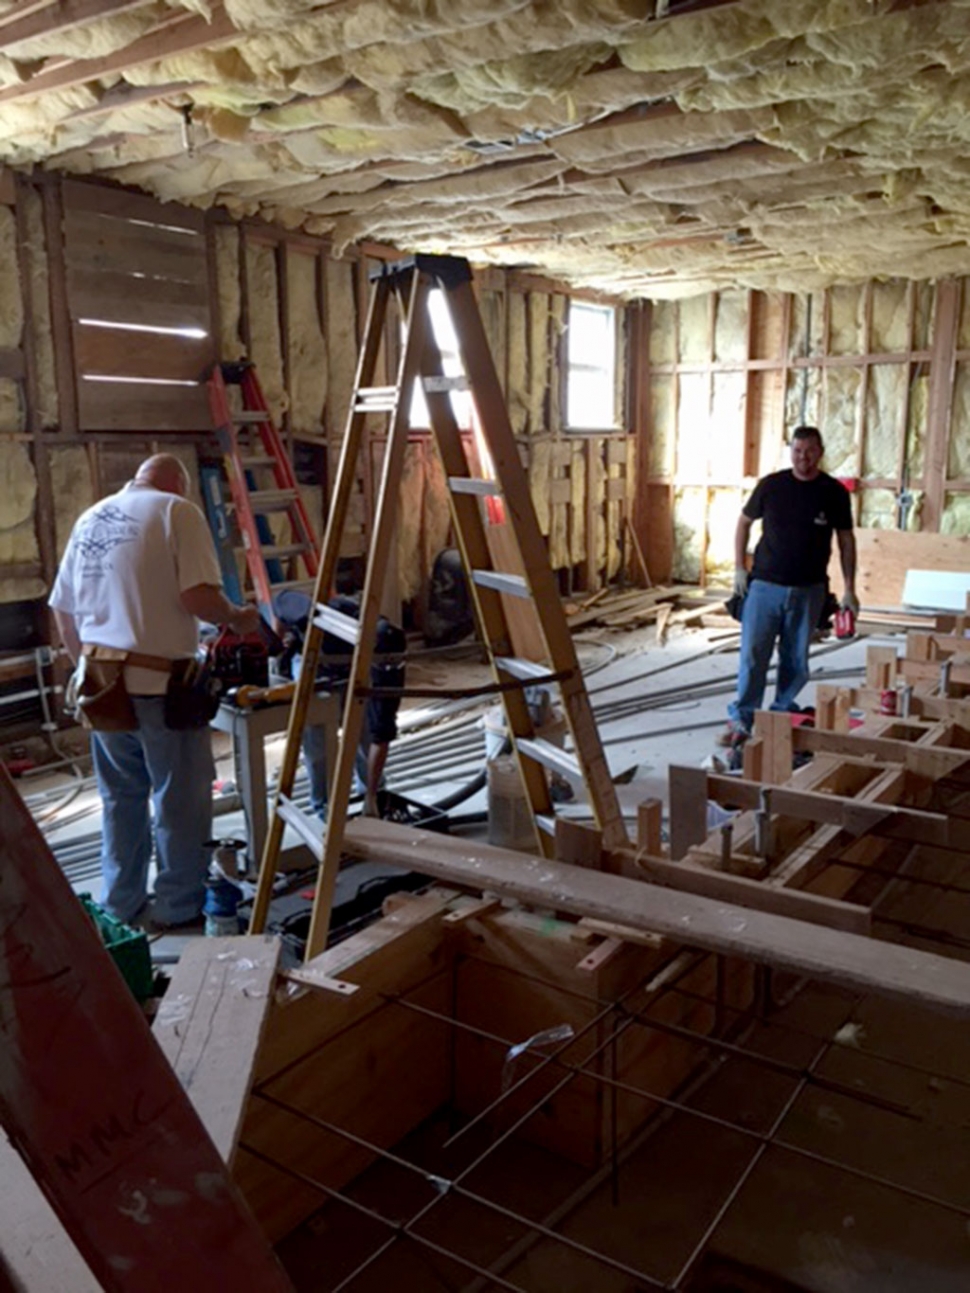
[{"x": 591, "y": 367}]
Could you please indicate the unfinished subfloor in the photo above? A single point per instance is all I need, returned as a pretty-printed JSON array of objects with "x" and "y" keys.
[{"x": 812, "y": 1135}]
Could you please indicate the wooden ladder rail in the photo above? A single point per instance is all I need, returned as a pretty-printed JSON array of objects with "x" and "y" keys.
[{"x": 412, "y": 281}]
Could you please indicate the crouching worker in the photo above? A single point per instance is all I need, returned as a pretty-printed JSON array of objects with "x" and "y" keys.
[
  {"x": 139, "y": 571},
  {"x": 380, "y": 716}
]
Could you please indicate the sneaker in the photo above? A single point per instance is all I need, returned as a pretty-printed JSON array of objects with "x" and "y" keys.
[
  {"x": 149, "y": 923},
  {"x": 733, "y": 735}
]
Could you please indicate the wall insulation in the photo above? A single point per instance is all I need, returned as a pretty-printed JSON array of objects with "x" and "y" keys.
[{"x": 855, "y": 360}]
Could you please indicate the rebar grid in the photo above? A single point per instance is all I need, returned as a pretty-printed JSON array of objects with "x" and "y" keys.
[
  {"x": 802, "y": 1075},
  {"x": 622, "y": 1019},
  {"x": 362, "y": 1208}
]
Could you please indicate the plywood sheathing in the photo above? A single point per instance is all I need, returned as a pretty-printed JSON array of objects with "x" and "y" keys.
[{"x": 748, "y": 143}]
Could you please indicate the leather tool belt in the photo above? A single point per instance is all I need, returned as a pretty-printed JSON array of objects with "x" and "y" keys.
[{"x": 101, "y": 700}]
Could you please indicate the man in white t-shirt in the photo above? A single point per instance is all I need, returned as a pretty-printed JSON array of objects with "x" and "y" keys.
[{"x": 139, "y": 571}]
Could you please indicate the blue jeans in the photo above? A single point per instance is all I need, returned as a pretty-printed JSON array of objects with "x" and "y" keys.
[
  {"x": 173, "y": 772},
  {"x": 774, "y": 613},
  {"x": 314, "y": 745}
]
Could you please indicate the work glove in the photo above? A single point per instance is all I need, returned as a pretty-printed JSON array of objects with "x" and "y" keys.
[
  {"x": 850, "y": 602},
  {"x": 740, "y": 581}
]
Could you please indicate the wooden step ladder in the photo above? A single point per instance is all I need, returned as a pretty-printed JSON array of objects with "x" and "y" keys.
[
  {"x": 263, "y": 486},
  {"x": 473, "y": 497}
]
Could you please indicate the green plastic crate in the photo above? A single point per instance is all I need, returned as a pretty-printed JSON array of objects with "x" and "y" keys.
[{"x": 127, "y": 947}]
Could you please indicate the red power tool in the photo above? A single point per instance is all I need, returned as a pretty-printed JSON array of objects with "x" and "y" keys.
[{"x": 240, "y": 659}]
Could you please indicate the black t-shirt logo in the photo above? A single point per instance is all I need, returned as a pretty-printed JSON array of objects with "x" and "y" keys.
[{"x": 821, "y": 519}]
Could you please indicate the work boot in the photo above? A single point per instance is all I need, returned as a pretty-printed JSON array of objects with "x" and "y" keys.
[{"x": 732, "y": 734}]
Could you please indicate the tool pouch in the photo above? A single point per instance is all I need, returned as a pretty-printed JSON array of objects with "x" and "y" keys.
[
  {"x": 193, "y": 695},
  {"x": 101, "y": 699}
]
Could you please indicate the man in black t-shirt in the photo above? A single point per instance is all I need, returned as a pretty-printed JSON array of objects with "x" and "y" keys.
[{"x": 799, "y": 510}]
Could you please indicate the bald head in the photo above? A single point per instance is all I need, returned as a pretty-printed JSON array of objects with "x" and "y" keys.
[{"x": 165, "y": 472}]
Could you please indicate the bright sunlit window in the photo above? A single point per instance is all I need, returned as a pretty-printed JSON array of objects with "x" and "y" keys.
[
  {"x": 444, "y": 335},
  {"x": 591, "y": 367}
]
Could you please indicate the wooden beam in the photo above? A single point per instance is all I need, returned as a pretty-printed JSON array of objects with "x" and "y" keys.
[
  {"x": 688, "y": 798},
  {"x": 940, "y": 399},
  {"x": 697, "y": 877},
  {"x": 210, "y": 1025},
  {"x": 60, "y": 17},
  {"x": 903, "y": 973},
  {"x": 937, "y": 761},
  {"x": 180, "y": 34},
  {"x": 93, "y": 1107},
  {"x": 891, "y": 821}
]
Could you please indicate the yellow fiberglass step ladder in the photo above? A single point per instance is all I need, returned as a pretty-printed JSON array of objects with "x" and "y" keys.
[
  {"x": 263, "y": 487},
  {"x": 495, "y": 592}
]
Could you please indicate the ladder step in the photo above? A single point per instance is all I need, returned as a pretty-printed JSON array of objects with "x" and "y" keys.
[
  {"x": 527, "y": 670},
  {"x": 340, "y": 625},
  {"x": 272, "y": 500},
  {"x": 279, "y": 551},
  {"x": 376, "y": 399},
  {"x": 515, "y": 585},
  {"x": 249, "y": 417},
  {"x": 440, "y": 385},
  {"x": 257, "y": 460},
  {"x": 309, "y": 829},
  {"x": 473, "y": 485},
  {"x": 550, "y": 756},
  {"x": 298, "y": 585}
]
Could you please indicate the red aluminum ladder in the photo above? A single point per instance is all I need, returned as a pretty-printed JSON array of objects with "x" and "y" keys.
[{"x": 263, "y": 484}]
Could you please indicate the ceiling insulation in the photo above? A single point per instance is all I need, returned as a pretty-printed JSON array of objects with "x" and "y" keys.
[{"x": 655, "y": 148}]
